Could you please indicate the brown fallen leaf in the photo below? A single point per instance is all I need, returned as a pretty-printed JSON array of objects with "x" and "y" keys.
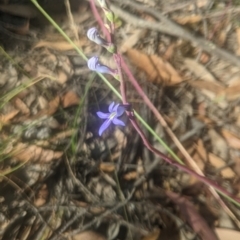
[
  {"x": 237, "y": 165},
  {"x": 131, "y": 175},
  {"x": 226, "y": 234},
  {"x": 43, "y": 102},
  {"x": 22, "y": 106},
  {"x": 51, "y": 108},
  {"x": 132, "y": 40},
  {"x": 213, "y": 91},
  {"x": 198, "y": 4},
  {"x": 62, "y": 76},
  {"x": 183, "y": 20},
  {"x": 42, "y": 196},
  {"x": 238, "y": 40},
  {"x": 199, "y": 70},
  {"x": 195, "y": 220},
  {"x": 24, "y": 152},
  {"x": 153, "y": 236},
  {"x": 209, "y": 86},
  {"x": 61, "y": 135},
  {"x": 70, "y": 99},
  {"x": 232, "y": 139},
  {"x": 233, "y": 92},
  {"x": 59, "y": 45},
  {"x": 217, "y": 162},
  {"x": 199, "y": 161},
  {"x": 206, "y": 82},
  {"x": 157, "y": 70},
  {"x": 219, "y": 144},
  {"x": 5, "y": 119},
  {"x": 89, "y": 235},
  {"x": 201, "y": 150},
  {"x": 107, "y": 167}
]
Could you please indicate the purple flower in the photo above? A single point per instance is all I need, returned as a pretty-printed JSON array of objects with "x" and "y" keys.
[
  {"x": 114, "y": 112},
  {"x": 94, "y": 65},
  {"x": 94, "y": 36}
]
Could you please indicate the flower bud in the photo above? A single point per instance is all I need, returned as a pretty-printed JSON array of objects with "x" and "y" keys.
[
  {"x": 94, "y": 65},
  {"x": 94, "y": 36}
]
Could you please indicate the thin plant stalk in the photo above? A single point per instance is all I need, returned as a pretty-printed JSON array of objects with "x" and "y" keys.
[{"x": 199, "y": 174}]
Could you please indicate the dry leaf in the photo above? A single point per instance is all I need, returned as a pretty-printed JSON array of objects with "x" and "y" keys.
[
  {"x": 238, "y": 40},
  {"x": 237, "y": 165},
  {"x": 208, "y": 84},
  {"x": 157, "y": 70},
  {"x": 199, "y": 4},
  {"x": 42, "y": 196},
  {"x": 22, "y": 106},
  {"x": 62, "y": 76},
  {"x": 198, "y": 160},
  {"x": 213, "y": 91},
  {"x": 50, "y": 110},
  {"x": 201, "y": 150},
  {"x": 131, "y": 176},
  {"x": 232, "y": 139},
  {"x": 217, "y": 162},
  {"x": 226, "y": 234},
  {"x": 204, "y": 58},
  {"x": 38, "y": 202},
  {"x": 107, "y": 167},
  {"x": 59, "y": 45},
  {"x": 61, "y": 135},
  {"x": 153, "y": 236},
  {"x": 199, "y": 70},
  {"x": 132, "y": 40},
  {"x": 4, "y": 119},
  {"x": 70, "y": 99},
  {"x": 43, "y": 103},
  {"x": 219, "y": 144},
  {"x": 195, "y": 220},
  {"x": 96, "y": 210},
  {"x": 170, "y": 51},
  {"x": 24, "y": 152},
  {"x": 89, "y": 235},
  {"x": 188, "y": 19},
  {"x": 233, "y": 92}
]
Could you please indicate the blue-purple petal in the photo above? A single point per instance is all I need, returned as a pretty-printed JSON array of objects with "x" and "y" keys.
[
  {"x": 92, "y": 33},
  {"x": 103, "y": 115},
  {"x": 120, "y": 110},
  {"x": 116, "y": 121},
  {"x": 115, "y": 108},
  {"x": 104, "y": 69},
  {"x": 104, "y": 126},
  {"x": 92, "y": 63},
  {"x": 94, "y": 36},
  {"x": 110, "y": 108}
]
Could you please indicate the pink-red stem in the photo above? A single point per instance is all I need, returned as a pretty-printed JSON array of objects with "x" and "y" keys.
[{"x": 120, "y": 62}]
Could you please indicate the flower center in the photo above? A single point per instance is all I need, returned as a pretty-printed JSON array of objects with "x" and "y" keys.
[{"x": 112, "y": 115}]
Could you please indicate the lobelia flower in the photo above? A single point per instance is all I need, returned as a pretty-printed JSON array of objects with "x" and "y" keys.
[
  {"x": 112, "y": 117},
  {"x": 94, "y": 65},
  {"x": 94, "y": 36}
]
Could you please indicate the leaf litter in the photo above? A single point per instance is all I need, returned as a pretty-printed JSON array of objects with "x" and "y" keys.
[{"x": 75, "y": 167}]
